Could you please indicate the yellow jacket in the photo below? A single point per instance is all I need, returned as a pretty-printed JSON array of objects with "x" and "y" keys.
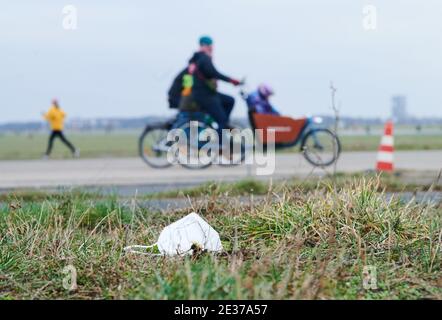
[{"x": 55, "y": 117}]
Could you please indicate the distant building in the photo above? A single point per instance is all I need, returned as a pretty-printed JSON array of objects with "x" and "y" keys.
[{"x": 399, "y": 109}]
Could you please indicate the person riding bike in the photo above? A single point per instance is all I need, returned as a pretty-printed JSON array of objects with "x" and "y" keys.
[
  {"x": 198, "y": 85},
  {"x": 260, "y": 100}
]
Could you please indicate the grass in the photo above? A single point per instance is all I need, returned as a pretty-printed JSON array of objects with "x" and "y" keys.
[
  {"x": 308, "y": 244},
  {"x": 401, "y": 142},
  {"x": 35, "y": 195},
  {"x": 13, "y": 147},
  {"x": 240, "y": 188},
  {"x": 16, "y": 147},
  {"x": 386, "y": 182}
]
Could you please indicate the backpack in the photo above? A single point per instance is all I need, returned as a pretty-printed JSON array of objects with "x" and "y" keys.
[
  {"x": 181, "y": 87},
  {"x": 174, "y": 93}
]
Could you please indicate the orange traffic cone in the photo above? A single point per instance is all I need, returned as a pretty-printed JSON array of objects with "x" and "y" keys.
[{"x": 385, "y": 152}]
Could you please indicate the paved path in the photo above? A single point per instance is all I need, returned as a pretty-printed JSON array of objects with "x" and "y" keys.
[{"x": 132, "y": 171}]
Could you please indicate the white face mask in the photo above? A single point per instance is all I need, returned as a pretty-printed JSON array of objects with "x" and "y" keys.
[{"x": 179, "y": 237}]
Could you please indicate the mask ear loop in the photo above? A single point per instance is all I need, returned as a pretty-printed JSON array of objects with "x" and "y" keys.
[{"x": 135, "y": 249}]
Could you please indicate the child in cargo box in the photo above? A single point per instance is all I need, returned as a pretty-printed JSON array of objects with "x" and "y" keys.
[{"x": 259, "y": 100}]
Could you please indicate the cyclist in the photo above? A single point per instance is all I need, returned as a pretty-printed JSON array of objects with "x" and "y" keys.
[
  {"x": 260, "y": 100},
  {"x": 199, "y": 86},
  {"x": 55, "y": 116}
]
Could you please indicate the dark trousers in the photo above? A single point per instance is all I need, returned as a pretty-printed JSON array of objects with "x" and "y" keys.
[
  {"x": 218, "y": 105},
  {"x": 59, "y": 134}
]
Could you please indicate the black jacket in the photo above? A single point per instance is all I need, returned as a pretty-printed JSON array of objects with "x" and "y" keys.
[
  {"x": 206, "y": 75},
  {"x": 204, "y": 79}
]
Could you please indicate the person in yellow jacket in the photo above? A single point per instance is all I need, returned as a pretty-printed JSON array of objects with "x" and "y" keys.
[{"x": 55, "y": 116}]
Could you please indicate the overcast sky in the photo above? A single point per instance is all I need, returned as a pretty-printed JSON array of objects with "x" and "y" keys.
[{"x": 124, "y": 54}]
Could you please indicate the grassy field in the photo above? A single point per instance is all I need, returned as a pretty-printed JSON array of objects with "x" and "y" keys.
[
  {"x": 306, "y": 244},
  {"x": 125, "y": 145},
  {"x": 402, "y": 142},
  {"x": 91, "y": 145}
]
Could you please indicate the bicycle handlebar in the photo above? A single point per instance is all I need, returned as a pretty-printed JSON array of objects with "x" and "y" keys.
[{"x": 241, "y": 87}]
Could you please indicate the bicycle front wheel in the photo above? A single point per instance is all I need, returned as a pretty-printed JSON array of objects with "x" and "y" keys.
[{"x": 321, "y": 147}]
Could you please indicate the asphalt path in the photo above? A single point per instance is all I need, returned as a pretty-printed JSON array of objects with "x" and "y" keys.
[{"x": 120, "y": 172}]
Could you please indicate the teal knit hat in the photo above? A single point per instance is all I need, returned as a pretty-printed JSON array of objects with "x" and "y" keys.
[{"x": 206, "y": 41}]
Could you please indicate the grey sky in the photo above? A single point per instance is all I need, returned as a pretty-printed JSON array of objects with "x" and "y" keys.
[{"x": 124, "y": 54}]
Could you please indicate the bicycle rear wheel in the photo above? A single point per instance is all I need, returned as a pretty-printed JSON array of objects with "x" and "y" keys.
[
  {"x": 153, "y": 146},
  {"x": 321, "y": 147},
  {"x": 192, "y": 153}
]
